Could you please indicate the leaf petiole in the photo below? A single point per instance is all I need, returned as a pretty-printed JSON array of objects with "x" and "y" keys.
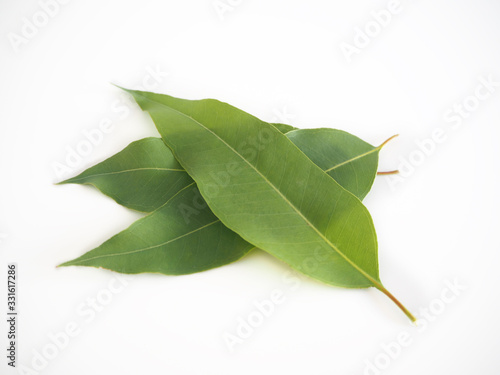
[
  {"x": 396, "y": 301},
  {"x": 384, "y": 173}
]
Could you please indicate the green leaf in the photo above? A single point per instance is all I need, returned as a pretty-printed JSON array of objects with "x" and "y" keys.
[
  {"x": 349, "y": 160},
  {"x": 261, "y": 186},
  {"x": 173, "y": 240},
  {"x": 284, "y": 128},
  {"x": 145, "y": 174},
  {"x": 141, "y": 175}
]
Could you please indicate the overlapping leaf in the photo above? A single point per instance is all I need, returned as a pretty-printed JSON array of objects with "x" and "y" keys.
[
  {"x": 348, "y": 159},
  {"x": 272, "y": 195},
  {"x": 144, "y": 173},
  {"x": 182, "y": 236},
  {"x": 287, "y": 206},
  {"x": 143, "y": 176}
]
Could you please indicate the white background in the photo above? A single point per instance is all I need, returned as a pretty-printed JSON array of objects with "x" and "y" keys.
[{"x": 279, "y": 60}]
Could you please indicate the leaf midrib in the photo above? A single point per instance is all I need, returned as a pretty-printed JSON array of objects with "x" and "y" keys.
[
  {"x": 125, "y": 171},
  {"x": 147, "y": 248},
  {"x": 345, "y": 257},
  {"x": 154, "y": 246},
  {"x": 353, "y": 159}
]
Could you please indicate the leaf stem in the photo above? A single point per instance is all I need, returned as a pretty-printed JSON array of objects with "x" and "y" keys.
[
  {"x": 396, "y": 171},
  {"x": 387, "y": 141},
  {"x": 379, "y": 148},
  {"x": 399, "y": 304}
]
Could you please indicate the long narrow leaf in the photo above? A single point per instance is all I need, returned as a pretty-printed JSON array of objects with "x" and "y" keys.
[
  {"x": 272, "y": 195},
  {"x": 145, "y": 174}
]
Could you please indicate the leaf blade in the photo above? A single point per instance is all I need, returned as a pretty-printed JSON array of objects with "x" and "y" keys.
[
  {"x": 168, "y": 242},
  {"x": 143, "y": 186},
  {"x": 122, "y": 176},
  {"x": 132, "y": 157},
  {"x": 351, "y": 161},
  {"x": 286, "y": 196},
  {"x": 351, "y": 270}
]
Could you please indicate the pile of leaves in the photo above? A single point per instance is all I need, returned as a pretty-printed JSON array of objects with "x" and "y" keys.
[{"x": 220, "y": 183}]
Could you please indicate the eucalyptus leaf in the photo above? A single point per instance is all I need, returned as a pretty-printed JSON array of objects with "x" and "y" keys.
[
  {"x": 284, "y": 128},
  {"x": 135, "y": 250},
  {"x": 351, "y": 161},
  {"x": 142, "y": 177},
  {"x": 145, "y": 174},
  {"x": 271, "y": 193},
  {"x": 182, "y": 236}
]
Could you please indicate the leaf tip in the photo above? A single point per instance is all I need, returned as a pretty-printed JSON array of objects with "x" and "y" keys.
[{"x": 121, "y": 88}]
